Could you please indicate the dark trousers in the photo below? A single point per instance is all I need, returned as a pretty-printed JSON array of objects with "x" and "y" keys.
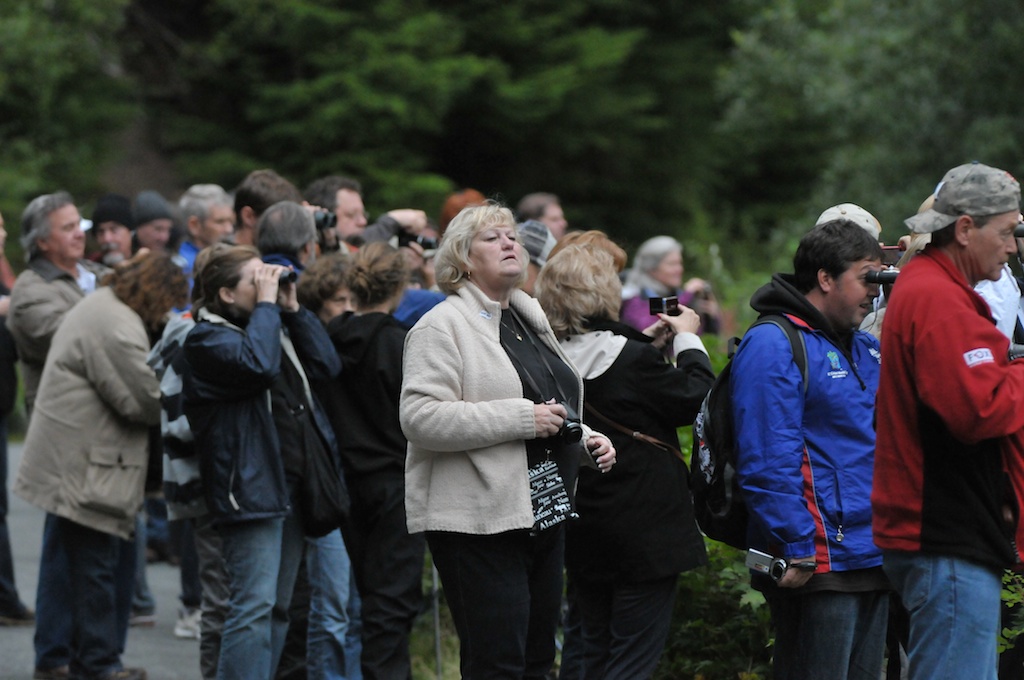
[
  {"x": 183, "y": 540},
  {"x": 829, "y": 635},
  {"x": 625, "y": 626},
  {"x": 10, "y": 603},
  {"x": 388, "y": 564},
  {"x": 504, "y": 592},
  {"x": 213, "y": 579},
  {"x": 94, "y": 559},
  {"x": 571, "y": 666},
  {"x": 54, "y": 620}
]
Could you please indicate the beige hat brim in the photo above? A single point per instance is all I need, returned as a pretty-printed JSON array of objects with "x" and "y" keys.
[{"x": 929, "y": 222}]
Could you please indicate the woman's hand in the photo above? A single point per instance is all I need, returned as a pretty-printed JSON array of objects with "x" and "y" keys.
[
  {"x": 548, "y": 419},
  {"x": 688, "y": 321},
  {"x": 601, "y": 449},
  {"x": 287, "y": 296},
  {"x": 660, "y": 332},
  {"x": 267, "y": 280}
]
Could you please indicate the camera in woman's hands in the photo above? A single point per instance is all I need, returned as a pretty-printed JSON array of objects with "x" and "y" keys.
[{"x": 572, "y": 429}]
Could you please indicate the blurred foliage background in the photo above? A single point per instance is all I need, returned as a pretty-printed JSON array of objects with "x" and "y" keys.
[{"x": 728, "y": 124}]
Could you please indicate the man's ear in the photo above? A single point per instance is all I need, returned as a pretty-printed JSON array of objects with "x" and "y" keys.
[
  {"x": 962, "y": 229},
  {"x": 193, "y": 226},
  {"x": 248, "y": 217},
  {"x": 825, "y": 281},
  {"x": 308, "y": 253}
]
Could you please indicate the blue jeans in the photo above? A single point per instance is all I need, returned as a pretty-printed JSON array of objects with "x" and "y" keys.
[
  {"x": 330, "y": 654},
  {"x": 829, "y": 635},
  {"x": 293, "y": 545},
  {"x": 252, "y": 559},
  {"x": 143, "y": 601},
  {"x": 954, "y": 614}
]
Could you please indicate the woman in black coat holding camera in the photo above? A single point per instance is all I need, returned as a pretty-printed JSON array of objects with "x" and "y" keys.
[{"x": 636, "y": 530}]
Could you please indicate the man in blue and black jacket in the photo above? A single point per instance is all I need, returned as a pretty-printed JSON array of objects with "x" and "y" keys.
[{"x": 806, "y": 446}]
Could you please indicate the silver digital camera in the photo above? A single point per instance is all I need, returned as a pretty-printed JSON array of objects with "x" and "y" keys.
[{"x": 766, "y": 564}]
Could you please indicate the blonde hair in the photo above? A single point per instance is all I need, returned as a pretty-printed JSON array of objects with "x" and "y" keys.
[
  {"x": 577, "y": 285},
  {"x": 594, "y": 237},
  {"x": 452, "y": 259}
]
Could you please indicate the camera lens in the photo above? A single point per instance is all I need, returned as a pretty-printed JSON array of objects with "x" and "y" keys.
[
  {"x": 288, "y": 276},
  {"x": 324, "y": 219},
  {"x": 571, "y": 432}
]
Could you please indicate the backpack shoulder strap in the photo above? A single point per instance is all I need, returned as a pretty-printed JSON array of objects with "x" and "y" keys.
[{"x": 796, "y": 340}]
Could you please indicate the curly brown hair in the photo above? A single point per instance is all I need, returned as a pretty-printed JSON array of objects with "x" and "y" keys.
[
  {"x": 322, "y": 279},
  {"x": 151, "y": 285}
]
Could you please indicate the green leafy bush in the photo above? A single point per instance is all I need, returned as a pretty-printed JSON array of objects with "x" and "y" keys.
[{"x": 720, "y": 627}]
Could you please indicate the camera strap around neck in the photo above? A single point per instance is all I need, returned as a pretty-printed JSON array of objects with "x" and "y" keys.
[
  {"x": 525, "y": 372},
  {"x": 550, "y": 494}
]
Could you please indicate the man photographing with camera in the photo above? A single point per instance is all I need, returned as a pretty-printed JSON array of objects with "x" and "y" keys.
[
  {"x": 948, "y": 398},
  {"x": 803, "y": 398}
]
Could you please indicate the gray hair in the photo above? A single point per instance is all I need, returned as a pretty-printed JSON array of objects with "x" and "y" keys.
[
  {"x": 199, "y": 198},
  {"x": 285, "y": 229},
  {"x": 35, "y": 221},
  {"x": 648, "y": 256},
  {"x": 451, "y": 262}
]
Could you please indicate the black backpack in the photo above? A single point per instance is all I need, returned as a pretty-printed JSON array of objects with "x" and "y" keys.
[{"x": 718, "y": 504}]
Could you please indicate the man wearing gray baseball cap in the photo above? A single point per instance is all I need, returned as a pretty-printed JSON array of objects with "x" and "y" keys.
[{"x": 948, "y": 399}]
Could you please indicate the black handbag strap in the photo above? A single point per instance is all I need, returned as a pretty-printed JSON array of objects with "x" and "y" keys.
[{"x": 635, "y": 434}]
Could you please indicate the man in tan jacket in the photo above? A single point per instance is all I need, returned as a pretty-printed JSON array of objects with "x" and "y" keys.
[{"x": 56, "y": 278}]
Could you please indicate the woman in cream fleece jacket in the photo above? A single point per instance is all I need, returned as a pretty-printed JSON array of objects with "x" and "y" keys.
[{"x": 485, "y": 395}]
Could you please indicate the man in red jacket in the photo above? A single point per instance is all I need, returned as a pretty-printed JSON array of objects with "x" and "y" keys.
[{"x": 948, "y": 397}]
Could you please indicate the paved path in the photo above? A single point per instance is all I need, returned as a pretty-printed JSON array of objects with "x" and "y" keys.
[{"x": 155, "y": 649}]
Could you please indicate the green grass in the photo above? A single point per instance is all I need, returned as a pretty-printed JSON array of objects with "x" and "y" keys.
[{"x": 422, "y": 644}]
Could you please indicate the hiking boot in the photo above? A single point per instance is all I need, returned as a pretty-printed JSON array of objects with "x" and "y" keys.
[
  {"x": 58, "y": 673},
  {"x": 187, "y": 626}
]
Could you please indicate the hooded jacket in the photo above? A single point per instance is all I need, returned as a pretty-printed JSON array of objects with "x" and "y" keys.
[
  {"x": 636, "y": 522},
  {"x": 805, "y": 457},
  {"x": 363, "y": 402}
]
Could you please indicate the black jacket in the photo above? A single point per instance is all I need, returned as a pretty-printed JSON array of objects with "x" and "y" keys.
[
  {"x": 362, "y": 403},
  {"x": 636, "y": 521}
]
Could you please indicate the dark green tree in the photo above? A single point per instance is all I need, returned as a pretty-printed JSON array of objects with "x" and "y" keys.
[
  {"x": 62, "y": 96},
  {"x": 871, "y": 102},
  {"x": 608, "y": 104}
]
